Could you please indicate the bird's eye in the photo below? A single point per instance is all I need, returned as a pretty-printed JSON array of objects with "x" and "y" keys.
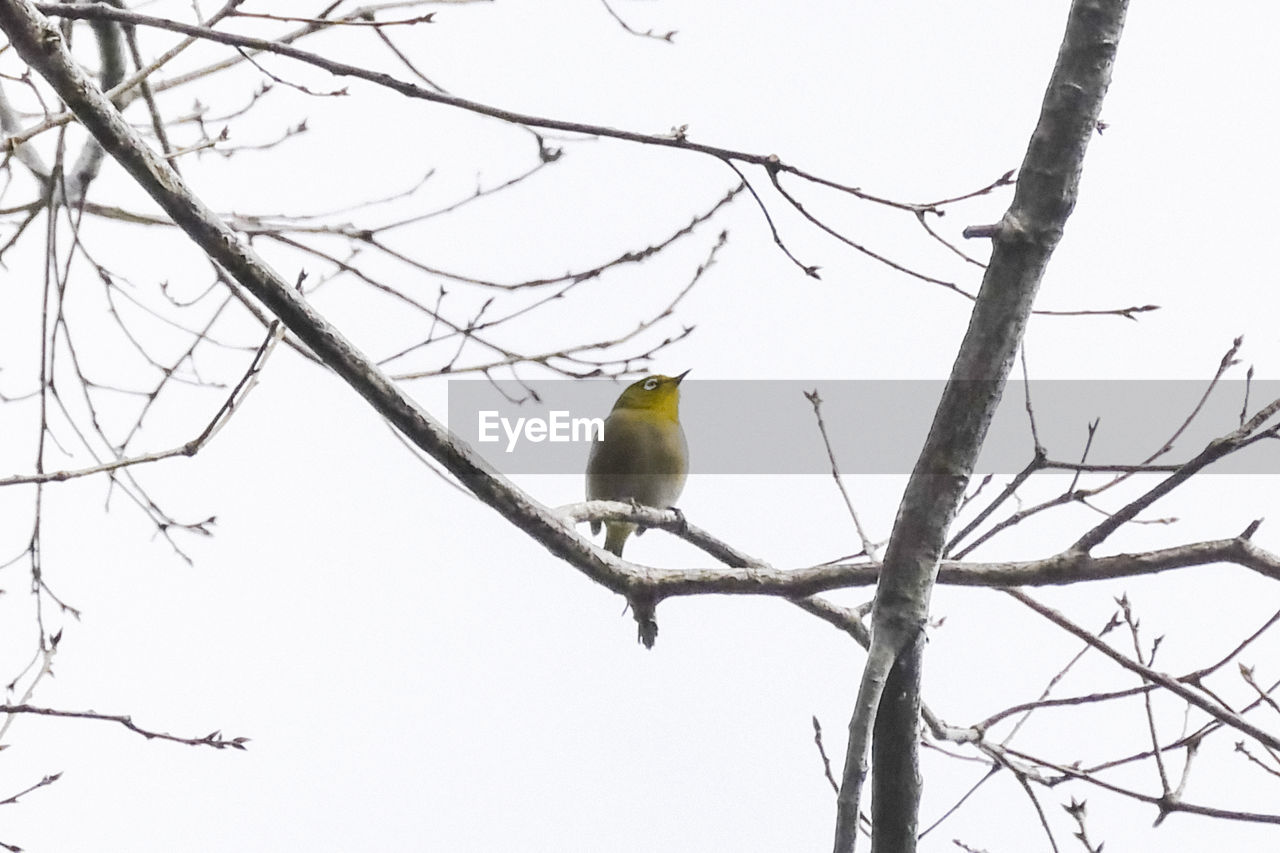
[{"x": 650, "y": 384}]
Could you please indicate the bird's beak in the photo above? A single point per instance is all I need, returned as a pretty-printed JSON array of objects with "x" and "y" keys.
[{"x": 682, "y": 376}]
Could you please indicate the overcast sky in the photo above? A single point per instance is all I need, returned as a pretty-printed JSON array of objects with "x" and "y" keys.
[{"x": 417, "y": 674}]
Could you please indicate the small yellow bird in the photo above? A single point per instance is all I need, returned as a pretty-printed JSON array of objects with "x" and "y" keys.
[{"x": 643, "y": 456}]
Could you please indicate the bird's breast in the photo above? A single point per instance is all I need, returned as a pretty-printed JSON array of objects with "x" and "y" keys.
[{"x": 640, "y": 458}]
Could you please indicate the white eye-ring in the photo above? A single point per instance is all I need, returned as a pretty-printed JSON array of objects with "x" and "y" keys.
[{"x": 650, "y": 384}]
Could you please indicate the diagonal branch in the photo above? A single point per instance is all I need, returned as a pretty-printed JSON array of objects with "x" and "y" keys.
[
  {"x": 40, "y": 44},
  {"x": 1215, "y": 709},
  {"x": 1023, "y": 244},
  {"x": 771, "y": 162},
  {"x": 214, "y": 739}
]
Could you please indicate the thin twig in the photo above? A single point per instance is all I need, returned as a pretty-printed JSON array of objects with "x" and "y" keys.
[{"x": 213, "y": 739}]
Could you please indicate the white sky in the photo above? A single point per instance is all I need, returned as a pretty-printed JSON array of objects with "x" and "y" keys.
[{"x": 416, "y": 674}]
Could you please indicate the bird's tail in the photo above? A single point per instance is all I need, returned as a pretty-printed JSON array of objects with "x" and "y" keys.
[{"x": 616, "y": 533}]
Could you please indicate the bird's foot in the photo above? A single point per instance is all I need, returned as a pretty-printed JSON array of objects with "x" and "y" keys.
[
  {"x": 637, "y": 506},
  {"x": 682, "y": 523}
]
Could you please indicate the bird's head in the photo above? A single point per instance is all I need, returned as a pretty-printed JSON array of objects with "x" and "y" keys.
[{"x": 657, "y": 394}]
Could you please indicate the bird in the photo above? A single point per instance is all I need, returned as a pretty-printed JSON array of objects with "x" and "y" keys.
[{"x": 642, "y": 456}]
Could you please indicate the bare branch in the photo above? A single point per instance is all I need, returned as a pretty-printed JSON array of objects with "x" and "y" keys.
[
  {"x": 13, "y": 798},
  {"x": 826, "y": 762},
  {"x": 868, "y": 547},
  {"x": 192, "y": 447},
  {"x": 1214, "y": 709},
  {"x": 1029, "y": 232},
  {"x": 668, "y": 36},
  {"x": 214, "y": 739}
]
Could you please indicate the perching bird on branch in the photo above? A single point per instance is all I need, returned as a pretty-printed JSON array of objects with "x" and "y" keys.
[{"x": 642, "y": 457}]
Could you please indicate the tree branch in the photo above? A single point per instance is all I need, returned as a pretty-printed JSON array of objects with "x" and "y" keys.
[
  {"x": 213, "y": 739},
  {"x": 1023, "y": 244}
]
